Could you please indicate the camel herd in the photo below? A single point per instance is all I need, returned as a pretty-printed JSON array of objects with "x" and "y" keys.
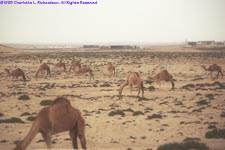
[
  {"x": 60, "y": 116},
  {"x": 133, "y": 79}
]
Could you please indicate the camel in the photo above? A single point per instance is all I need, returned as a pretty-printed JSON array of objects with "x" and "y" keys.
[
  {"x": 74, "y": 64},
  {"x": 61, "y": 64},
  {"x": 86, "y": 69},
  {"x": 214, "y": 68},
  {"x": 162, "y": 76},
  {"x": 59, "y": 117},
  {"x": 42, "y": 68},
  {"x": 16, "y": 73},
  {"x": 133, "y": 79},
  {"x": 111, "y": 69}
]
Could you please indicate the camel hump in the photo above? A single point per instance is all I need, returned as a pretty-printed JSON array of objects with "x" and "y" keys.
[
  {"x": 61, "y": 100},
  {"x": 137, "y": 74}
]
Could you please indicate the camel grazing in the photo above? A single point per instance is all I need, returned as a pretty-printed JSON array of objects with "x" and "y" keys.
[
  {"x": 133, "y": 79},
  {"x": 162, "y": 76},
  {"x": 214, "y": 68},
  {"x": 42, "y": 68},
  {"x": 59, "y": 117},
  {"x": 74, "y": 64},
  {"x": 61, "y": 64},
  {"x": 16, "y": 73},
  {"x": 111, "y": 69},
  {"x": 86, "y": 69}
]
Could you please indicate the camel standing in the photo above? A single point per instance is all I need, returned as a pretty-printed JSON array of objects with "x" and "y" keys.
[
  {"x": 214, "y": 68},
  {"x": 16, "y": 73},
  {"x": 162, "y": 76},
  {"x": 74, "y": 64},
  {"x": 86, "y": 69},
  {"x": 42, "y": 68},
  {"x": 56, "y": 118},
  {"x": 133, "y": 79},
  {"x": 111, "y": 69},
  {"x": 61, "y": 64}
]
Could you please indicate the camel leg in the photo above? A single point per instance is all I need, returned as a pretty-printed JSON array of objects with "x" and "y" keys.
[
  {"x": 172, "y": 84},
  {"x": 131, "y": 88},
  {"x": 80, "y": 131},
  {"x": 48, "y": 139},
  {"x": 29, "y": 137},
  {"x": 139, "y": 90},
  {"x": 122, "y": 86},
  {"x": 73, "y": 136}
]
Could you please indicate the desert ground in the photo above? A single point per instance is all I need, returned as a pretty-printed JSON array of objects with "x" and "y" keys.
[{"x": 114, "y": 122}]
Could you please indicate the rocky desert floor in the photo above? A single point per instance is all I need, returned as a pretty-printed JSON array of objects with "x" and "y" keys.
[{"x": 113, "y": 122}]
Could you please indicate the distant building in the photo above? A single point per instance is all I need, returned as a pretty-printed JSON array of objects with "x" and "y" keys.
[
  {"x": 123, "y": 47},
  {"x": 91, "y": 46},
  {"x": 192, "y": 43},
  {"x": 220, "y": 43},
  {"x": 206, "y": 42}
]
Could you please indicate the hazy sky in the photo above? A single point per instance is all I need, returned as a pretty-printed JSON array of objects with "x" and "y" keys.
[{"x": 114, "y": 21}]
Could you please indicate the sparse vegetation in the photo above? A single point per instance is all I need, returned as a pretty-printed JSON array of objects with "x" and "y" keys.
[
  {"x": 187, "y": 144},
  {"x": 117, "y": 112},
  {"x": 222, "y": 114},
  {"x": 46, "y": 102},
  {"x": 11, "y": 120},
  {"x": 25, "y": 114},
  {"x": 31, "y": 118},
  {"x": 202, "y": 102},
  {"x": 216, "y": 133},
  {"x": 24, "y": 97},
  {"x": 155, "y": 116},
  {"x": 1, "y": 114},
  {"x": 137, "y": 113}
]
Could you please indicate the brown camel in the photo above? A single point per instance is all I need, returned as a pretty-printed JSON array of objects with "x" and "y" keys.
[
  {"x": 214, "y": 68},
  {"x": 59, "y": 117},
  {"x": 133, "y": 79},
  {"x": 74, "y": 64},
  {"x": 86, "y": 69},
  {"x": 111, "y": 69},
  {"x": 42, "y": 68},
  {"x": 61, "y": 64},
  {"x": 162, "y": 76},
  {"x": 16, "y": 73}
]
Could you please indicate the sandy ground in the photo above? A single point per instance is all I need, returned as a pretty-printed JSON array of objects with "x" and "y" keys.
[{"x": 181, "y": 115}]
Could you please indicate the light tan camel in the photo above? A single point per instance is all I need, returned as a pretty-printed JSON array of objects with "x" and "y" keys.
[
  {"x": 214, "y": 68},
  {"x": 162, "y": 76},
  {"x": 16, "y": 73},
  {"x": 111, "y": 69},
  {"x": 42, "y": 68},
  {"x": 74, "y": 64},
  {"x": 59, "y": 117},
  {"x": 86, "y": 69},
  {"x": 61, "y": 64},
  {"x": 133, "y": 79}
]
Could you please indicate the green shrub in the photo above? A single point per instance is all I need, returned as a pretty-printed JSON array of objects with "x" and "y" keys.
[
  {"x": 24, "y": 97},
  {"x": 25, "y": 114},
  {"x": 136, "y": 113},
  {"x": 216, "y": 133},
  {"x": 31, "y": 118},
  {"x": 11, "y": 120},
  {"x": 195, "y": 145},
  {"x": 117, "y": 112},
  {"x": 155, "y": 116},
  {"x": 46, "y": 102}
]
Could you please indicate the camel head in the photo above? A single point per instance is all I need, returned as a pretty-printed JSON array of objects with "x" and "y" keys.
[
  {"x": 150, "y": 80},
  {"x": 8, "y": 72},
  {"x": 204, "y": 67}
]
